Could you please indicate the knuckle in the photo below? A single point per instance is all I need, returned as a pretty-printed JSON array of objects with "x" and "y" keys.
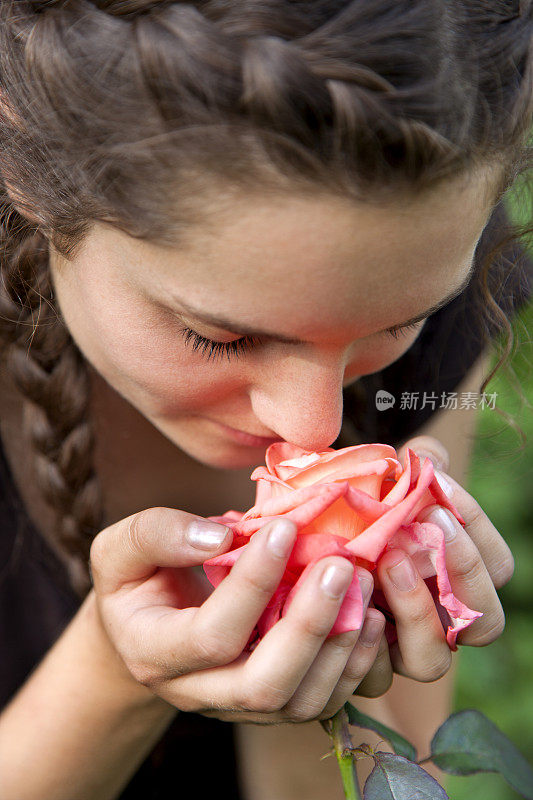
[
  {"x": 303, "y": 712},
  {"x": 492, "y": 630},
  {"x": 379, "y": 679},
  {"x": 258, "y": 583},
  {"x": 145, "y": 674},
  {"x": 433, "y": 670},
  {"x": 315, "y": 627},
  {"x": 143, "y": 527},
  {"x": 472, "y": 511},
  {"x": 211, "y": 649},
  {"x": 333, "y": 707},
  {"x": 136, "y": 530},
  {"x": 342, "y": 644},
  {"x": 375, "y": 687},
  {"x": 355, "y": 672},
  {"x": 361, "y": 662},
  {"x": 261, "y": 696},
  {"x": 419, "y": 613},
  {"x": 470, "y": 566},
  {"x": 306, "y": 706}
]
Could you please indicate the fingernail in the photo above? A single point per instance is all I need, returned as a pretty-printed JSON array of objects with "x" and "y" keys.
[
  {"x": 403, "y": 575},
  {"x": 432, "y": 457},
  {"x": 440, "y": 517},
  {"x": 205, "y": 535},
  {"x": 335, "y": 580},
  {"x": 281, "y": 538},
  {"x": 372, "y": 630},
  {"x": 444, "y": 484},
  {"x": 365, "y": 582}
]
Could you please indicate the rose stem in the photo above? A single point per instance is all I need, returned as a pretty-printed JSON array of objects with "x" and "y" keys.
[{"x": 342, "y": 743}]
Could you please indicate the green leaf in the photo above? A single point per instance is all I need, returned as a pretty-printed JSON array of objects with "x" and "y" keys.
[
  {"x": 397, "y": 778},
  {"x": 400, "y": 745},
  {"x": 469, "y": 742}
]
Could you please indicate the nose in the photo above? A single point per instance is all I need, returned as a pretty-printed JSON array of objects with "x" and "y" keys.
[{"x": 300, "y": 399}]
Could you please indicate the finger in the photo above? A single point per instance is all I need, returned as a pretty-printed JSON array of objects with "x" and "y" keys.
[
  {"x": 330, "y": 664},
  {"x": 427, "y": 447},
  {"x": 379, "y": 677},
  {"x": 492, "y": 547},
  {"x": 183, "y": 640},
  {"x": 469, "y": 579},
  {"x": 283, "y": 657},
  {"x": 360, "y": 664},
  {"x": 227, "y": 618},
  {"x": 421, "y": 638},
  {"x": 133, "y": 548}
]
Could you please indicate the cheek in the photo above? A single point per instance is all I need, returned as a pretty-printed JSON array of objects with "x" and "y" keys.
[
  {"x": 378, "y": 353},
  {"x": 140, "y": 354}
]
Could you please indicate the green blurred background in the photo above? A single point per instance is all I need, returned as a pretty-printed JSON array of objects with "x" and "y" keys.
[{"x": 498, "y": 680}]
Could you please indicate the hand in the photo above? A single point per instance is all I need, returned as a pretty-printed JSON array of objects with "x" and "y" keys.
[
  {"x": 186, "y": 642},
  {"x": 478, "y": 562}
]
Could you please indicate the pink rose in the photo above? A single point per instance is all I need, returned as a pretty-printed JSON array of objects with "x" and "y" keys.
[{"x": 357, "y": 503}]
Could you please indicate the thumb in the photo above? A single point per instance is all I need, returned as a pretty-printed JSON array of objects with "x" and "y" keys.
[
  {"x": 428, "y": 447},
  {"x": 133, "y": 548}
]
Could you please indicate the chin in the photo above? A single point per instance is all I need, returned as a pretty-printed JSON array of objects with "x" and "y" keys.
[{"x": 223, "y": 456}]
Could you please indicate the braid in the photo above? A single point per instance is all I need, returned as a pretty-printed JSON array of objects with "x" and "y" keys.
[{"x": 52, "y": 377}]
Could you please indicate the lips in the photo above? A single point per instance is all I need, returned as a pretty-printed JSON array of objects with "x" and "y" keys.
[{"x": 249, "y": 439}]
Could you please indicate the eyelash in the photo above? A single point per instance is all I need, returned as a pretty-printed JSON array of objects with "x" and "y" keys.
[
  {"x": 210, "y": 348},
  {"x": 235, "y": 348}
]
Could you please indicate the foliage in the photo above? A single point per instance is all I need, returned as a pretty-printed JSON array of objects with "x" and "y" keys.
[
  {"x": 466, "y": 743},
  {"x": 497, "y": 679}
]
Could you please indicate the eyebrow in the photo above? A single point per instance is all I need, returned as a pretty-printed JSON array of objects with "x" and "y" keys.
[{"x": 245, "y": 330}]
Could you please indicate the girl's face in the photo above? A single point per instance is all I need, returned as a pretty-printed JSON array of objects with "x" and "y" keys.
[{"x": 305, "y": 295}]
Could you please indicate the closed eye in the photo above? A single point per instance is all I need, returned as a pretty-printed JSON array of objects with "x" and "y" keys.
[
  {"x": 402, "y": 330},
  {"x": 210, "y": 348}
]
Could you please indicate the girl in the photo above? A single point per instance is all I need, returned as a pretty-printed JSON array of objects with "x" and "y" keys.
[{"x": 223, "y": 224}]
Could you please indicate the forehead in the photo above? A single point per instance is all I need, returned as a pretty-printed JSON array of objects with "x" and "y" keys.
[{"x": 295, "y": 256}]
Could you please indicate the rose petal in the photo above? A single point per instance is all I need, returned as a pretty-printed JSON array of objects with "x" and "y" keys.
[
  {"x": 348, "y": 462},
  {"x": 414, "y": 462},
  {"x": 355, "y": 502},
  {"x": 218, "y": 567},
  {"x": 323, "y": 496},
  {"x": 262, "y": 474},
  {"x": 274, "y": 609},
  {"x": 365, "y": 506},
  {"x": 301, "y": 462},
  {"x": 284, "y": 451},
  {"x": 371, "y": 543},
  {"x": 443, "y": 500},
  {"x": 228, "y": 518},
  {"x": 398, "y": 492},
  {"x": 307, "y": 551},
  {"x": 275, "y": 506},
  {"x": 427, "y": 538}
]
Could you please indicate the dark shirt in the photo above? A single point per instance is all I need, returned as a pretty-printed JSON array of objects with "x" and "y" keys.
[{"x": 37, "y": 602}]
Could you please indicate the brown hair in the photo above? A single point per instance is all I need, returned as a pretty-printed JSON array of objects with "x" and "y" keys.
[{"x": 147, "y": 115}]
